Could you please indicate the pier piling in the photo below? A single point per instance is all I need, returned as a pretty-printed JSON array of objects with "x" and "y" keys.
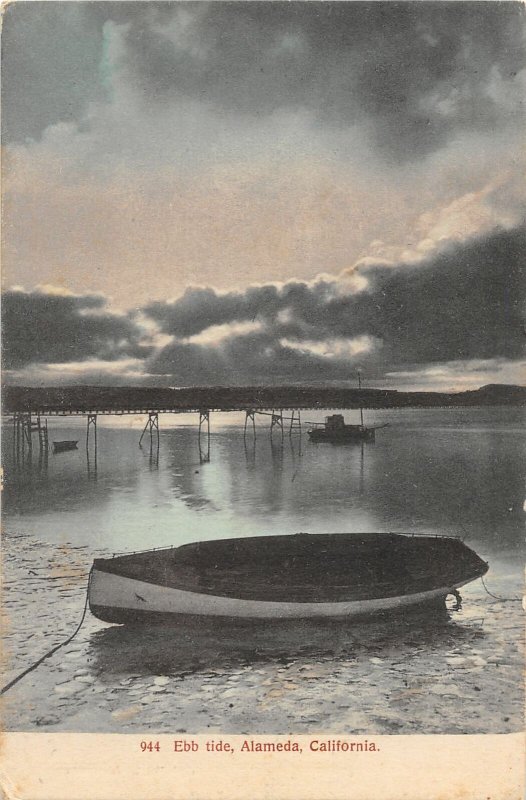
[
  {"x": 250, "y": 414},
  {"x": 276, "y": 421},
  {"x": 204, "y": 453},
  {"x": 295, "y": 422},
  {"x": 151, "y": 426}
]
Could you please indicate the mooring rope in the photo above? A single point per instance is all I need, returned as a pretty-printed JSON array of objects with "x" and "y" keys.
[
  {"x": 501, "y": 599},
  {"x": 53, "y": 650}
]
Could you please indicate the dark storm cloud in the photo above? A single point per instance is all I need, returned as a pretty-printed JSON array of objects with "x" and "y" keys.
[
  {"x": 39, "y": 327},
  {"x": 413, "y": 73},
  {"x": 199, "y": 308},
  {"x": 250, "y": 359},
  {"x": 464, "y": 303}
]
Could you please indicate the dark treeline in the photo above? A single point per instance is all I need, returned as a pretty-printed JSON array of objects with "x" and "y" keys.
[{"x": 83, "y": 399}]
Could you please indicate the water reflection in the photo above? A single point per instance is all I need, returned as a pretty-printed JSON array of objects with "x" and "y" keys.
[
  {"x": 91, "y": 465},
  {"x": 250, "y": 453},
  {"x": 197, "y": 644},
  {"x": 437, "y": 476},
  {"x": 91, "y": 451}
]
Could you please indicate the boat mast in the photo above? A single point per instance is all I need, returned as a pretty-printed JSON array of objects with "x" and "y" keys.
[{"x": 361, "y": 407}]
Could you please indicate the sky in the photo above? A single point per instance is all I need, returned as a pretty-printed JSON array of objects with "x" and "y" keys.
[{"x": 242, "y": 193}]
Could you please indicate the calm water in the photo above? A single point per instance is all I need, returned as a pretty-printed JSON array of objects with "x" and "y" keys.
[
  {"x": 437, "y": 471},
  {"x": 441, "y": 471}
]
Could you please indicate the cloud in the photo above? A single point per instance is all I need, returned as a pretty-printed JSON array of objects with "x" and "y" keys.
[
  {"x": 246, "y": 360},
  {"x": 414, "y": 74},
  {"x": 217, "y": 334},
  {"x": 233, "y": 145},
  {"x": 458, "y": 311},
  {"x": 91, "y": 372},
  {"x": 496, "y": 205},
  {"x": 50, "y": 325},
  {"x": 338, "y": 348},
  {"x": 50, "y": 62},
  {"x": 463, "y": 302},
  {"x": 226, "y": 144},
  {"x": 291, "y": 307}
]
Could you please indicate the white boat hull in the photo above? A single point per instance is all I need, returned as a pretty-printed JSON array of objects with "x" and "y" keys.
[{"x": 116, "y": 598}]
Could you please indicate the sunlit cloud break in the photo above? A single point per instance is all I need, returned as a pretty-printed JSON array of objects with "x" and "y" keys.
[
  {"x": 215, "y": 335},
  {"x": 344, "y": 349}
]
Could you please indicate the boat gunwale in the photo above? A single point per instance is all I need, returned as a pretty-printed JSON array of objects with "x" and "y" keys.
[{"x": 119, "y": 554}]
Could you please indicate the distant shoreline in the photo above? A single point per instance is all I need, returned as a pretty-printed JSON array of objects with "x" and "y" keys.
[{"x": 133, "y": 399}]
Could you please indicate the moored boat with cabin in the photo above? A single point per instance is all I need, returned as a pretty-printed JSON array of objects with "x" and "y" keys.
[{"x": 336, "y": 431}]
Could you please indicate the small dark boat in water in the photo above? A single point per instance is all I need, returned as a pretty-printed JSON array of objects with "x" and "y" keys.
[
  {"x": 61, "y": 447},
  {"x": 335, "y": 431},
  {"x": 290, "y": 576}
]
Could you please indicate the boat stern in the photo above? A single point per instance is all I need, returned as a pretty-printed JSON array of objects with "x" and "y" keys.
[{"x": 467, "y": 565}]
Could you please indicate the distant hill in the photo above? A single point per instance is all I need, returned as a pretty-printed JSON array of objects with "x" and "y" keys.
[{"x": 500, "y": 393}]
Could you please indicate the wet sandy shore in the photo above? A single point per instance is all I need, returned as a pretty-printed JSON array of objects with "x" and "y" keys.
[{"x": 460, "y": 673}]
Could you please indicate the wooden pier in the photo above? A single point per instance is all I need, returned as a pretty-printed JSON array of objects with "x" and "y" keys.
[{"x": 30, "y": 407}]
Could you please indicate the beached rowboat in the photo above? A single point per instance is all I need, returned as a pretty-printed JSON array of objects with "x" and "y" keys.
[{"x": 301, "y": 575}]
